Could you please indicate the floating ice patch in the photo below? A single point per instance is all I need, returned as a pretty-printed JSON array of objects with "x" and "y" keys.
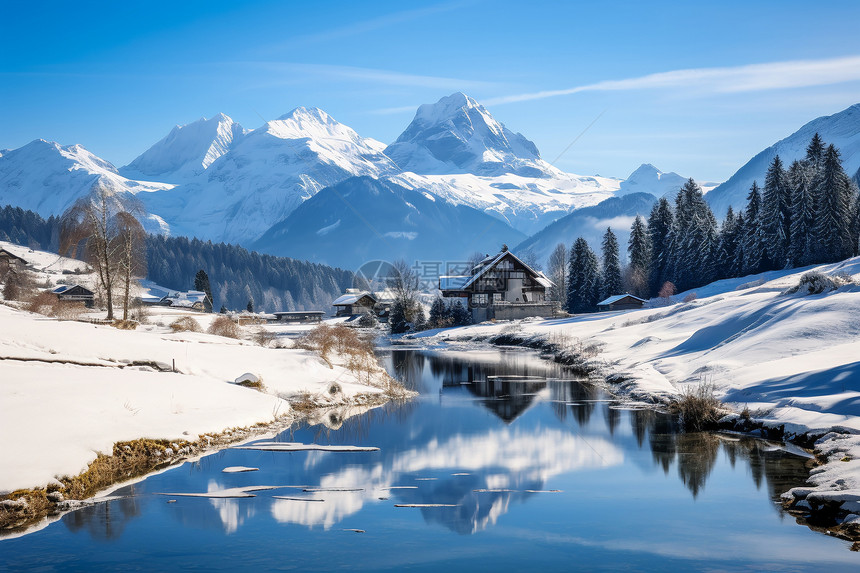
[
  {"x": 297, "y": 447},
  {"x": 426, "y": 505},
  {"x": 316, "y": 489},
  {"x": 400, "y": 487},
  {"x": 225, "y": 493},
  {"x": 295, "y": 498},
  {"x": 238, "y": 469}
]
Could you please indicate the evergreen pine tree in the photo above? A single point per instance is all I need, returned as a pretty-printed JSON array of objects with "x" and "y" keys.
[
  {"x": 729, "y": 246},
  {"x": 439, "y": 314},
  {"x": 639, "y": 253},
  {"x": 754, "y": 250},
  {"x": 250, "y": 305},
  {"x": 815, "y": 152},
  {"x": 584, "y": 284},
  {"x": 776, "y": 215},
  {"x": 832, "y": 230},
  {"x": 460, "y": 315},
  {"x": 201, "y": 283},
  {"x": 611, "y": 265},
  {"x": 660, "y": 223},
  {"x": 800, "y": 176}
]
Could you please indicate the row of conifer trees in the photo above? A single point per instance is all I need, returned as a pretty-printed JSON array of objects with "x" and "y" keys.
[{"x": 808, "y": 213}]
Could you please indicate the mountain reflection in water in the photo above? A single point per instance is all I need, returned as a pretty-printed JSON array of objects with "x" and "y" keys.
[{"x": 489, "y": 432}]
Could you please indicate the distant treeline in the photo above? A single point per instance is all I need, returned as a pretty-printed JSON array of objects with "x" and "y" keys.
[
  {"x": 238, "y": 275},
  {"x": 235, "y": 274}
]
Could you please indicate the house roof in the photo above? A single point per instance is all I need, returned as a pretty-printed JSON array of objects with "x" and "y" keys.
[
  {"x": 352, "y": 298},
  {"x": 12, "y": 255},
  {"x": 615, "y": 298},
  {"x": 462, "y": 282},
  {"x": 60, "y": 289},
  {"x": 185, "y": 299}
]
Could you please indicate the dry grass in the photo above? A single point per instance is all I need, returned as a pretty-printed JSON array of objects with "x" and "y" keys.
[
  {"x": 185, "y": 324},
  {"x": 697, "y": 408},
  {"x": 126, "y": 324},
  {"x": 224, "y": 326},
  {"x": 46, "y": 303}
]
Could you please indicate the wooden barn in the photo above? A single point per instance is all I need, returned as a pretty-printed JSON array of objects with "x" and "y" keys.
[{"x": 621, "y": 302}]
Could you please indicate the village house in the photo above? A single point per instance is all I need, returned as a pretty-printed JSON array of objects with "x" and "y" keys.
[
  {"x": 621, "y": 302},
  {"x": 13, "y": 261},
  {"x": 75, "y": 293},
  {"x": 501, "y": 287},
  {"x": 193, "y": 300},
  {"x": 354, "y": 302}
]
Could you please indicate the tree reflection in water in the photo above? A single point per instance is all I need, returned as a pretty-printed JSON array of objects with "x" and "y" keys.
[{"x": 542, "y": 427}]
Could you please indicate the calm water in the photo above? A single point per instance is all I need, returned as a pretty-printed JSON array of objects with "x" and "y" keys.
[{"x": 633, "y": 493}]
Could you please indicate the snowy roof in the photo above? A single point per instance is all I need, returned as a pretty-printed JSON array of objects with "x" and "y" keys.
[
  {"x": 351, "y": 298},
  {"x": 453, "y": 282},
  {"x": 488, "y": 263},
  {"x": 185, "y": 299},
  {"x": 617, "y": 297}
]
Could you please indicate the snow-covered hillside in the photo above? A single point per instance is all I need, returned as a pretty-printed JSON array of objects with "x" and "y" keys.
[
  {"x": 266, "y": 174},
  {"x": 186, "y": 151},
  {"x": 841, "y": 129},
  {"x": 47, "y": 178}
]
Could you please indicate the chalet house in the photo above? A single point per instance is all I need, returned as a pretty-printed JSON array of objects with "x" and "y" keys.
[
  {"x": 354, "y": 302},
  {"x": 621, "y": 302},
  {"x": 501, "y": 287},
  {"x": 11, "y": 260},
  {"x": 75, "y": 293}
]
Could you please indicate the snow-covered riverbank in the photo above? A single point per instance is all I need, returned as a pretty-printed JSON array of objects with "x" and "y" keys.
[{"x": 789, "y": 360}]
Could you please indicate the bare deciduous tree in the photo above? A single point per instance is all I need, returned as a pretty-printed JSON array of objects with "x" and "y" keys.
[
  {"x": 557, "y": 267},
  {"x": 98, "y": 228}
]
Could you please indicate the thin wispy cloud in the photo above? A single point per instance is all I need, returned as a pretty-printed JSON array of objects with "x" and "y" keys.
[
  {"x": 291, "y": 70},
  {"x": 738, "y": 79},
  {"x": 371, "y": 25}
]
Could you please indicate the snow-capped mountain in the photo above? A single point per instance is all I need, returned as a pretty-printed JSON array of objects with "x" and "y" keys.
[
  {"x": 48, "y": 178},
  {"x": 266, "y": 174},
  {"x": 364, "y": 218},
  {"x": 457, "y": 150},
  {"x": 458, "y": 135},
  {"x": 841, "y": 129},
  {"x": 186, "y": 151},
  {"x": 648, "y": 179}
]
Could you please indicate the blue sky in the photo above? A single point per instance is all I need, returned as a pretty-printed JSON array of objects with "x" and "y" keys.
[{"x": 667, "y": 83}]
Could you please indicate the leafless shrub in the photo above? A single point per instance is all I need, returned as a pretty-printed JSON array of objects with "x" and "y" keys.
[
  {"x": 667, "y": 291},
  {"x": 690, "y": 297},
  {"x": 224, "y": 326},
  {"x": 263, "y": 337},
  {"x": 185, "y": 324},
  {"x": 697, "y": 408}
]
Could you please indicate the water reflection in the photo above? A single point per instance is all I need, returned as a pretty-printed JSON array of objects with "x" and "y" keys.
[{"x": 489, "y": 434}]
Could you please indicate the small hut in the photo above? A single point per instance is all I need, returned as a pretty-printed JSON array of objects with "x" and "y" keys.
[{"x": 621, "y": 302}]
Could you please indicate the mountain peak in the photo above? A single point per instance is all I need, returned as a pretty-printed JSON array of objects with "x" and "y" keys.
[
  {"x": 648, "y": 179},
  {"x": 187, "y": 150},
  {"x": 458, "y": 135}
]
